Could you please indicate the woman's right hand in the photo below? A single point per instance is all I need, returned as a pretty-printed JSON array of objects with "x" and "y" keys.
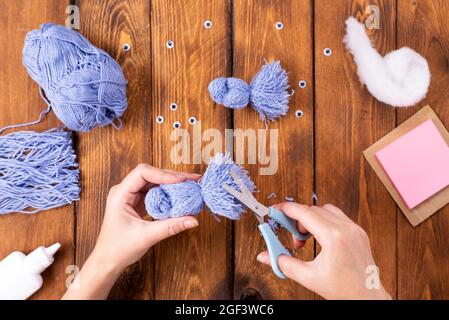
[{"x": 345, "y": 268}]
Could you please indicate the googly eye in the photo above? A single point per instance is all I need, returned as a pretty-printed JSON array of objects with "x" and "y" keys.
[
  {"x": 207, "y": 24},
  {"x": 173, "y": 106},
  {"x": 192, "y": 120},
  {"x": 299, "y": 113},
  {"x": 126, "y": 47},
  {"x": 279, "y": 25},
  {"x": 176, "y": 124},
  {"x": 170, "y": 44},
  {"x": 327, "y": 52},
  {"x": 302, "y": 84},
  {"x": 160, "y": 119}
]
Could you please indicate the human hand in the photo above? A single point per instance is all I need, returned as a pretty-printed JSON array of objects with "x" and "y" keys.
[
  {"x": 339, "y": 270},
  {"x": 125, "y": 236}
]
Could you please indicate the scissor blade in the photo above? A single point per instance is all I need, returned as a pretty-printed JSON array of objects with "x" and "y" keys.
[
  {"x": 248, "y": 200},
  {"x": 236, "y": 194}
]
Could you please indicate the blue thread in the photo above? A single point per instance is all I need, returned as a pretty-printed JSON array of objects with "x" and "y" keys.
[
  {"x": 38, "y": 171},
  {"x": 188, "y": 198},
  {"x": 267, "y": 93},
  {"x": 84, "y": 86}
]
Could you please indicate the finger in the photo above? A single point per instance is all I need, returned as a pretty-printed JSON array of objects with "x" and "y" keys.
[
  {"x": 187, "y": 175},
  {"x": 293, "y": 268},
  {"x": 308, "y": 218},
  {"x": 145, "y": 174},
  {"x": 338, "y": 213},
  {"x": 163, "y": 229}
]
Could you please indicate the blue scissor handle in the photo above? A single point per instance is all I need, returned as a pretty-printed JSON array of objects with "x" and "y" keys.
[
  {"x": 287, "y": 223},
  {"x": 275, "y": 248}
]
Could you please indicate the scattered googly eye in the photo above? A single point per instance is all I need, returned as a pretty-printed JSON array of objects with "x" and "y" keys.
[
  {"x": 126, "y": 47},
  {"x": 173, "y": 106},
  {"x": 279, "y": 25},
  {"x": 170, "y": 44},
  {"x": 176, "y": 124},
  {"x": 299, "y": 113},
  {"x": 160, "y": 119},
  {"x": 327, "y": 52},
  {"x": 192, "y": 120},
  {"x": 302, "y": 84},
  {"x": 207, "y": 24}
]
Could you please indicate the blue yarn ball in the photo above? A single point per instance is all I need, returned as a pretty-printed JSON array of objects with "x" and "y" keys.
[
  {"x": 233, "y": 93},
  {"x": 188, "y": 198},
  {"x": 267, "y": 93},
  {"x": 174, "y": 200},
  {"x": 85, "y": 87}
]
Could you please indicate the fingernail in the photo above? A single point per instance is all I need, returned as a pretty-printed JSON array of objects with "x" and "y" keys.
[
  {"x": 189, "y": 224},
  {"x": 260, "y": 258},
  {"x": 180, "y": 175},
  {"x": 197, "y": 174}
]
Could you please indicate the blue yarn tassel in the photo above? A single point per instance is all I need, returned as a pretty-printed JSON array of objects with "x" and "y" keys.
[
  {"x": 85, "y": 87},
  {"x": 267, "y": 93},
  {"x": 38, "y": 171},
  {"x": 188, "y": 198}
]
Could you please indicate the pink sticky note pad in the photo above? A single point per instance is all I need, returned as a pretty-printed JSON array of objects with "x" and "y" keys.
[{"x": 417, "y": 163}]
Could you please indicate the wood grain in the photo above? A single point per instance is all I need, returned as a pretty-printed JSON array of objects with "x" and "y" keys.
[
  {"x": 197, "y": 263},
  {"x": 19, "y": 103},
  {"x": 255, "y": 39},
  {"x": 106, "y": 154},
  {"x": 348, "y": 120},
  {"x": 423, "y": 252}
]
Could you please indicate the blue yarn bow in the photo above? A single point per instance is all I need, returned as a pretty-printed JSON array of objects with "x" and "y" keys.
[
  {"x": 188, "y": 198},
  {"x": 267, "y": 92}
]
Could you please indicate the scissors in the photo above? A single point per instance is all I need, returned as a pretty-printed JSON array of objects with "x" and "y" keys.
[{"x": 275, "y": 247}]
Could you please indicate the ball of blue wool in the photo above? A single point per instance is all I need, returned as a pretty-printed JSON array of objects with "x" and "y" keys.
[
  {"x": 85, "y": 87},
  {"x": 231, "y": 92},
  {"x": 174, "y": 200}
]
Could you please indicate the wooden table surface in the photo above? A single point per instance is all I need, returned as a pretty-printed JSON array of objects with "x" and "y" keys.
[{"x": 320, "y": 152}]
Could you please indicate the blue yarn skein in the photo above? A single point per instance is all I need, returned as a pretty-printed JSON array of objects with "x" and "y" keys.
[
  {"x": 188, "y": 198},
  {"x": 84, "y": 86},
  {"x": 38, "y": 171},
  {"x": 267, "y": 92}
]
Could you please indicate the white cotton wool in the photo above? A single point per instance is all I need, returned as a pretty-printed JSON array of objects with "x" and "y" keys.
[{"x": 401, "y": 78}]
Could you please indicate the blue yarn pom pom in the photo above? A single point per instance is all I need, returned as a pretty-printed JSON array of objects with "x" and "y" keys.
[
  {"x": 85, "y": 87},
  {"x": 188, "y": 198},
  {"x": 174, "y": 200},
  {"x": 218, "y": 199},
  {"x": 267, "y": 93},
  {"x": 233, "y": 93}
]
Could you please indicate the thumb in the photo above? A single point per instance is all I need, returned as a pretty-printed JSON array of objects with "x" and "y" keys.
[
  {"x": 293, "y": 268},
  {"x": 163, "y": 229}
]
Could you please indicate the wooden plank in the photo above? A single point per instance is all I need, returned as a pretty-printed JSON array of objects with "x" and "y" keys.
[
  {"x": 195, "y": 264},
  {"x": 348, "y": 120},
  {"x": 106, "y": 154},
  {"x": 256, "y": 38},
  {"x": 19, "y": 103},
  {"x": 423, "y": 251}
]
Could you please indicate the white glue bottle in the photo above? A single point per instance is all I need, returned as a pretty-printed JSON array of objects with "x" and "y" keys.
[{"x": 20, "y": 274}]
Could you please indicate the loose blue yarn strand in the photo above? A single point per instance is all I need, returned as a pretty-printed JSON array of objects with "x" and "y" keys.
[
  {"x": 38, "y": 171},
  {"x": 267, "y": 93},
  {"x": 188, "y": 198}
]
